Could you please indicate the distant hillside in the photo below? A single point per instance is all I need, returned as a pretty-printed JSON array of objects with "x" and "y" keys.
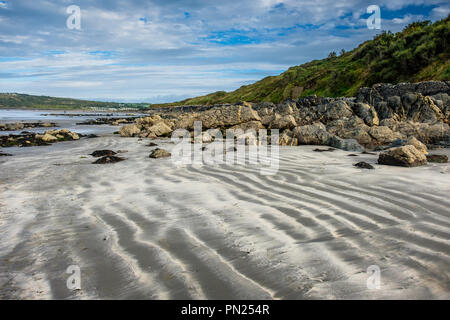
[
  {"x": 420, "y": 52},
  {"x": 25, "y": 101}
]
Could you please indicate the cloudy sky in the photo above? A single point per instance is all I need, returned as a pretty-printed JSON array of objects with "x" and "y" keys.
[{"x": 164, "y": 50}]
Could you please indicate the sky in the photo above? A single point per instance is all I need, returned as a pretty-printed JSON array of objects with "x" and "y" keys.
[{"x": 163, "y": 50}]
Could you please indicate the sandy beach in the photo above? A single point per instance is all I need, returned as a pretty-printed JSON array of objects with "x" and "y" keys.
[{"x": 147, "y": 229}]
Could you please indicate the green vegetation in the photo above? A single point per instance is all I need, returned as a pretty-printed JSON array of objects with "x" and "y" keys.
[
  {"x": 420, "y": 52},
  {"x": 25, "y": 101}
]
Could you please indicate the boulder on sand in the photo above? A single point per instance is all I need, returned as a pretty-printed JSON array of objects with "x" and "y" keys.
[
  {"x": 159, "y": 153},
  {"x": 406, "y": 156},
  {"x": 364, "y": 165},
  {"x": 412, "y": 141},
  {"x": 102, "y": 153},
  {"x": 108, "y": 159},
  {"x": 437, "y": 158}
]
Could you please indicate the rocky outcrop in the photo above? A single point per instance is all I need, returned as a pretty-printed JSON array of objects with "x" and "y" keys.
[
  {"x": 345, "y": 144},
  {"x": 383, "y": 135},
  {"x": 159, "y": 153},
  {"x": 282, "y": 122},
  {"x": 376, "y": 118},
  {"x": 220, "y": 117},
  {"x": 108, "y": 159},
  {"x": 437, "y": 158},
  {"x": 367, "y": 113},
  {"x": 102, "y": 153},
  {"x": 419, "y": 102},
  {"x": 287, "y": 139},
  {"x": 51, "y": 136},
  {"x": 406, "y": 156},
  {"x": 251, "y": 125},
  {"x": 30, "y": 139},
  {"x": 315, "y": 134},
  {"x": 131, "y": 130},
  {"x": 412, "y": 141}
]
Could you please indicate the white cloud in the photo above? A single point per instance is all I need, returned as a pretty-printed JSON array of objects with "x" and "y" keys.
[{"x": 170, "y": 55}]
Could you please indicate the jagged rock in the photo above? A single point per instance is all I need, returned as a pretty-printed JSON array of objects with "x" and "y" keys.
[
  {"x": 367, "y": 113},
  {"x": 266, "y": 119},
  {"x": 286, "y": 139},
  {"x": 406, "y": 101},
  {"x": 345, "y": 144},
  {"x": 160, "y": 153},
  {"x": 159, "y": 129},
  {"x": 437, "y": 158},
  {"x": 442, "y": 101},
  {"x": 314, "y": 134},
  {"x": 417, "y": 144},
  {"x": 48, "y": 138},
  {"x": 251, "y": 125},
  {"x": 334, "y": 110},
  {"x": 131, "y": 130},
  {"x": 425, "y": 132},
  {"x": 351, "y": 128},
  {"x": 406, "y": 156},
  {"x": 424, "y": 110},
  {"x": 391, "y": 123},
  {"x": 282, "y": 122},
  {"x": 364, "y": 165},
  {"x": 102, "y": 153},
  {"x": 382, "y": 91},
  {"x": 285, "y": 108},
  {"x": 434, "y": 133},
  {"x": 383, "y": 135},
  {"x": 219, "y": 117},
  {"x": 148, "y": 121},
  {"x": 108, "y": 159}
]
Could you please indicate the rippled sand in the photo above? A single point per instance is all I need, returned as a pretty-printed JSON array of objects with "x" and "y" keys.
[{"x": 146, "y": 229}]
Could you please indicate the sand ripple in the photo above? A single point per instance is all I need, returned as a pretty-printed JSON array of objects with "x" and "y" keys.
[{"x": 147, "y": 229}]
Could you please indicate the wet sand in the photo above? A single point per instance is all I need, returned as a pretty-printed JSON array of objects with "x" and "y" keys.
[{"x": 146, "y": 229}]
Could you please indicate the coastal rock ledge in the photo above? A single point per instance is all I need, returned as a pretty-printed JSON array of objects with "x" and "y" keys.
[{"x": 379, "y": 117}]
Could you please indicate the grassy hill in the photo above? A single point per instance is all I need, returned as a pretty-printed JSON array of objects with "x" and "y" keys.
[
  {"x": 420, "y": 52},
  {"x": 25, "y": 101}
]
